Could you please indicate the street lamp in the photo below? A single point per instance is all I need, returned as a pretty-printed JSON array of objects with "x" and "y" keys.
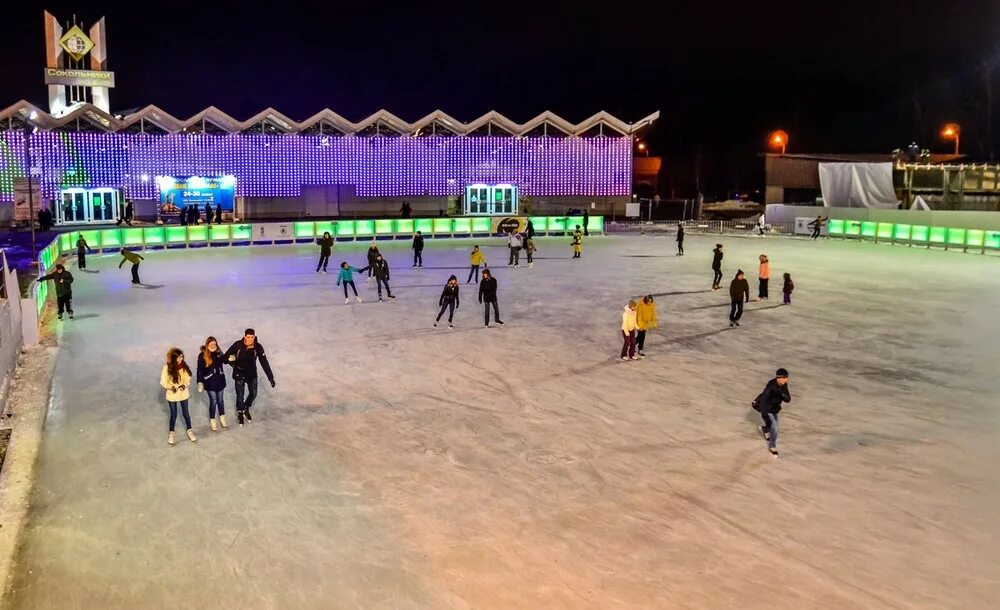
[
  {"x": 643, "y": 148},
  {"x": 952, "y": 131},
  {"x": 31, "y": 127},
  {"x": 778, "y": 139}
]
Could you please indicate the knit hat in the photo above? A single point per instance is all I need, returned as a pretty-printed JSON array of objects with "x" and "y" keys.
[
  {"x": 739, "y": 272},
  {"x": 781, "y": 373}
]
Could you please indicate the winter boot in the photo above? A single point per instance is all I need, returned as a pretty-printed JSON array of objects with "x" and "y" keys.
[
  {"x": 222, "y": 420},
  {"x": 191, "y": 435},
  {"x": 211, "y": 424},
  {"x": 170, "y": 438}
]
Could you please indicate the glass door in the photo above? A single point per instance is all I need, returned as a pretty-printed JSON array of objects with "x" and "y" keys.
[
  {"x": 102, "y": 208},
  {"x": 477, "y": 200},
  {"x": 74, "y": 206}
]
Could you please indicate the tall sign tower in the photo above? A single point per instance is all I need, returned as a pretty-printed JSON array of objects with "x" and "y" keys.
[{"x": 76, "y": 65}]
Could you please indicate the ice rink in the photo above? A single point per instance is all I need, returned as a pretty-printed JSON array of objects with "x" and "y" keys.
[{"x": 401, "y": 466}]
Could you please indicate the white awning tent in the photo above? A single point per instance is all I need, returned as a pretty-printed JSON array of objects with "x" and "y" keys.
[{"x": 857, "y": 185}]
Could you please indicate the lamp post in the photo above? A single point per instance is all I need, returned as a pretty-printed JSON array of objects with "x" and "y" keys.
[
  {"x": 29, "y": 128},
  {"x": 779, "y": 139},
  {"x": 952, "y": 131}
]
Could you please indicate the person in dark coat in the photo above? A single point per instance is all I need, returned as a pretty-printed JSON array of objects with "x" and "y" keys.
[
  {"x": 325, "y": 250},
  {"x": 448, "y": 300},
  {"x": 418, "y": 250},
  {"x": 380, "y": 267},
  {"x": 212, "y": 379},
  {"x": 81, "y": 252},
  {"x": 768, "y": 404},
  {"x": 64, "y": 289},
  {"x": 680, "y": 241},
  {"x": 372, "y": 254},
  {"x": 243, "y": 357},
  {"x": 739, "y": 292},
  {"x": 208, "y": 213},
  {"x": 183, "y": 216},
  {"x": 488, "y": 296},
  {"x": 817, "y": 225},
  {"x": 218, "y": 214},
  {"x": 717, "y": 266},
  {"x": 195, "y": 215},
  {"x": 129, "y": 212},
  {"x": 586, "y": 222}
]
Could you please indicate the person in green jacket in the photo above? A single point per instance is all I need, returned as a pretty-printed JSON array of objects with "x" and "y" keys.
[
  {"x": 346, "y": 276},
  {"x": 133, "y": 258},
  {"x": 325, "y": 250},
  {"x": 64, "y": 289}
]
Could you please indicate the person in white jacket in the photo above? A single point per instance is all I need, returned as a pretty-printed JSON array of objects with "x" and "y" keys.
[
  {"x": 629, "y": 327},
  {"x": 514, "y": 242},
  {"x": 175, "y": 378}
]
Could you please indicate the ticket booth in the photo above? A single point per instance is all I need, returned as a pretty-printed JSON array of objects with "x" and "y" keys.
[
  {"x": 82, "y": 206},
  {"x": 490, "y": 200}
]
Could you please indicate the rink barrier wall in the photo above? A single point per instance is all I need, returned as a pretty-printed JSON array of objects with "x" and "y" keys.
[{"x": 270, "y": 233}]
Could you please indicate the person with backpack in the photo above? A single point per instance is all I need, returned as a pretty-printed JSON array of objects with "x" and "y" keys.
[
  {"x": 133, "y": 258},
  {"x": 346, "y": 276},
  {"x": 448, "y": 300},
  {"x": 476, "y": 258},
  {"x": 64, "y": 289},
  {"x": 768, "y": 404},
  {"x": 82, "y": 247},
  {"x": 325, "y": 250},
  {"x": 739, "y": 292},
  {"x": 380, "y": 268},
  {"x": 243, "y": 357},
  {"x": 488, "y": 297},
  {"x": 211, "y": 378},
  {"x": 418, "y": 250},
  {"x": 717, "y": 266}
]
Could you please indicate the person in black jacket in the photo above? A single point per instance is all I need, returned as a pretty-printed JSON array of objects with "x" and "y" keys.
[
  {"x": 209, "y": 215},
  {"x": 448, "y": 300},
  {"x": 82, "y": 247},
  {"x": 418, "y": 250},
  {"x": 768, "y": 404},
  {"x": 488, "y": 296},
  {"x": 64, "y": 289},
  {"x": 218, "y": 214},
  {"x": 380, "y": 268},
  {"x": 680, "y": 240},
  {"x": 243, "y": 356},
  {"x": 325, "y": 250},
  {"x": 739, "y": 292},
  {"x": 717, "y": 266},
  {"x": 372, "y": 253},
  {"x": 212, "y": 379}
]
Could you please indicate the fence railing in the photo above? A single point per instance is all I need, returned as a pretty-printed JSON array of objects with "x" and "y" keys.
[
  {"x": 718, "y": 227},
  {"x": 11, "y": 336},
  {"x": 949, "y": 238}
]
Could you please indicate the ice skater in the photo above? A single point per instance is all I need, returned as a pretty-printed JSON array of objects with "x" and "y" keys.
[
  {"x": 529, "y": 249},
  {"x": 476, "y": 258},
  {"x": 514, "y": 242},
  {"x": 175, "y": 378},
  {"x": 418, "y": 250},
  {"x": 380, "y": 268},
  {"x": 768, "y": 404},
  {"x": 761, "y": 226},
  {"x": 372, "y": 253},
  {"x": 717, "y": 266},
  {"x": 448, "y": 300},
  {"x": 64, "y": 289},
  {"x": 680, "y": 239},
  {"x": 645, "y": 319},
  {"x": 577, "y": 242},
  {"x": 212, "y": 379},
  {"x": 817, "y": 225},
  {"x": 243, "y": 356},
  {"x": 628, "y": 331},
  {"x": 488, "y": 297},
  {"x": 739, "y": 292},
  {"x": 133, "y": 258},
  {"x": 763, "y": 275},
  {"x": 346, "y": 277},
  {"x": 82, "y": 247},
  {"x": 325, "y": 250},
  {"x": 787, "y": 289}
]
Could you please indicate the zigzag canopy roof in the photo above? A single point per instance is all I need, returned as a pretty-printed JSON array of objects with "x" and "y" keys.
[{"x": 88, "y": 117}]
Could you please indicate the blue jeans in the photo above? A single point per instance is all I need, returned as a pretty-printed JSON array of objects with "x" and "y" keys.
[
  {"x": 215, "y": 401},
  {"x": 772, "y": 428},
  {"x": 184, "y": 412},
  {"x": 250, "y": 386}
]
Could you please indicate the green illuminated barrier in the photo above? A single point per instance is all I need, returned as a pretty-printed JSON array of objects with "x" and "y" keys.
[
  {"x": 242, "y": 232},
  {"x": 868, "y": 229},
  {"x": 153, "y": 235},
  {"x": 541, "y": 223},
  {"x": 442, "y": 226},
  {"x": 305, "y": 229},
  {"x": 133, "y": 237},
  {"x": 111, "y": 238},
  {"x": 364, "y": 228},
  {"x": 901, "y": 232},
  {"x": 884, "y": 230},
  {"x": 65, "y": 242},
  {"x": 175, "y": 235},
  {"x": 482, "y": 225},
  {"x": 835, "y": 227},
  {"x": 424, "y": 225},
  {"x": 197, "y": 233},
  {"x": 404, "y": 225},
  {"x": 385, "y": 227},
  {"x": 556, "y": 223},
  {"x": 325, "y": 226},
  {"x": 975, "y": 238},
  {"x": 595, "y": 223},
  {"x": 920, "y": 233},
  {"x": 992, "y": 240},
  {"x": 938, "y": 235},
  {"x": 956, "y": 237},
  {"x": 462, "y": 225},
  {"x": 345, "y": 228},
  {"x": 220, "y": 232},
  {"x": 852, "y": 228}
]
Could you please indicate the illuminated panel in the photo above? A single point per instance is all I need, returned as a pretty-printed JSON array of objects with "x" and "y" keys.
[
  {"x": 557, "y": 223},
  {"x": 384, "y": 227},
  {"x": 364, "y": 228},
  {"x": 992, "y": 239},
  {"x": 305, "y": 229},
  {"x": 956, "y": 237},
  {"x": 595, "y": 223},
  {"x": 541, "y": 223},
  {"x": 852, "y": 228},
  {"x": 442, "y": 225},
  {"x": 463, "y": 225},
  {"x": 868, "y": 229},
  {"x": 133, "y": 237},
  {"x": 884, "y": 230},
  {"x": 197, "y": 233},
  {"x": 835, "y": 227},
  {"x": 974, "y": 238},
  {"x": 325, "y": 226},
  {"x": 481, "y": 225},
  {"x": 424, "y": 225},
  {"x": 220, "y": 232},
  {"x": 175, "y": 235},
  {"x": 901, "y": 232},
  {"x": 404, "y": 225},
  {"x": 938, "y": 235},
  {"x": 919, "y": 233},
  {"x": 65, "y": 242},
  {"x": 345, "y": 228},
  {"x": 241, "y": 232}
]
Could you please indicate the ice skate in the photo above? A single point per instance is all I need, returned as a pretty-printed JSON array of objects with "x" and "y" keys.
[
  {"x": 222, "y": 421},
  {"x": 60, "y": 316},
  {"x": 641, "y": 354},
  {"x": 170, "y": 439},
  {"x": 239, "y": 418},
  {"x": 732, "y": 324},
  {"x": 358, "y": 299},
  {"x": 737, "y": 323},
  {"x": 211, "y": 424},
  {"x": 530, "y": 265},
  {"x": 635, "y": 358},
  {"x": 71, "y": 315},
  {"x": 380, "y": 299},
  {"x": 246, "y": 414},
  {"x": 191, "y": 436},
  {"x": 774, "y": 452},
  {"x": 500, "y": 322},
  {"x": 435, "y": 325},
  {"x": 451, "y": 326},
  {"x": 764, "y": 433},
  {"x": 624, "y": 357},
  {"x": 324, "y": 271},
  {"x": 391, "y": 297},
  {"x": 347, "y": 301}
]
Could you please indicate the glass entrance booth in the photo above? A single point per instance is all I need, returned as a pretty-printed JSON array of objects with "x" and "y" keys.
[
  {"x": 79, "y": 206},
  {"x": 490, "y": 200}
]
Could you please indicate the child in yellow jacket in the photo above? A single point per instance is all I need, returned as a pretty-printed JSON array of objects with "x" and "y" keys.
[
  {"x": 577, "y": 242},
  {"x": 645, "y": 319},
  {"x": 476, "y": 258}
]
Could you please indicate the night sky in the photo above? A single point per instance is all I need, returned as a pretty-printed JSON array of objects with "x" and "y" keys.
[{"x": 838, "y": 76}]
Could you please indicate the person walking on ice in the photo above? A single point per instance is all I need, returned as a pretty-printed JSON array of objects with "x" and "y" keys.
[
  {"x": 645, "y": 319},
  {"x": 787, "y": 289},
  {"x": 82, "y": 247},
  {"x": 514, "y": 242},
  {"x": 680, "y": 239},
  {"x": 476, "y": 258},
  {"x": 763, "y": 276},
  {"x": 380, "y": 268},
  {"x": 717, "y": 266},
  {"x": 175, "y": 378},
  {"x": 577, "y": 242},
  {"x": 133, "y": 258},
  {"x": 64, "y": 289},
  {"x": 243, "y": 356},
  {"x": 346, "y": 276},
  {"x": 768, "y": 404},
  {"x": 448, "y": 300},
  {"x": 628, "y": 331},
  {"x": 739, "y": 292},
  {"x": 488, "y": 296},
  {"x": 212, "y": 379},
  {"x": 529, "y": 249},
  {"x": 418, "y": 250},
  {"x": 372, "y": 253},
  {"x": 325, "y": 250}
]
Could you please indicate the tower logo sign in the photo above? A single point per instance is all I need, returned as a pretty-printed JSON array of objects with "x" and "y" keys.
[{"x": 76, "y": 43}]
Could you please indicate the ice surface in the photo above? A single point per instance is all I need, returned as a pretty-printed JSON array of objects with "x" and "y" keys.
[{"x": 400, "y": 466}]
